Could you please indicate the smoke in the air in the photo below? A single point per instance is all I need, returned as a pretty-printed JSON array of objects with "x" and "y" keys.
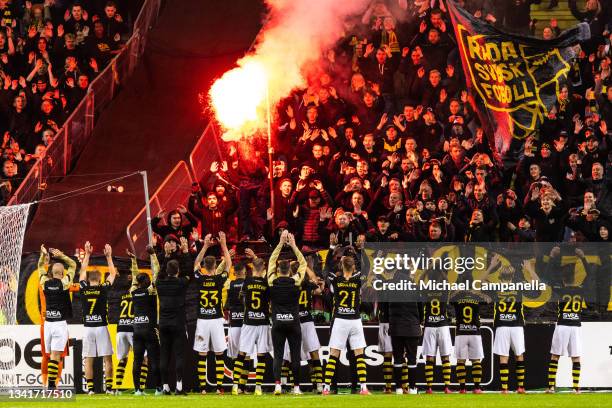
[
  {"x": 297, "y": 32},
  {"x": 294, "y": 35}
]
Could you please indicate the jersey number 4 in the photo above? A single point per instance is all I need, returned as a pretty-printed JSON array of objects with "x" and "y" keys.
[{"x": 303, "y": 298}]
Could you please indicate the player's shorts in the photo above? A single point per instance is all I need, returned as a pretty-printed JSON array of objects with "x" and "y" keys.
[
  {"x": 347, "y": 329},
  {"x": 56, "y": 336},
  {"x": 437, "y": 338},
  {"x": 233, "y": 341},
  {"x": 255, "y": 339},
  {"x": 310, "y": 342},
  {"x": 507, "y": 337},
  {"x": 310, "y": 338},
  {"x": 97, "y": 342},
  {"x": 567, "y": 341},
  {"x": 469, "y": 347},
  {"x": 384, "y": 340},
  {"x": 125, "y": 341},
  {"x": 209, "y": 336}
]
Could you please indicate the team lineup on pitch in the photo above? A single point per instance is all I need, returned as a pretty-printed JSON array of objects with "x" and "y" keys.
[{"x": 152, "y": 324}]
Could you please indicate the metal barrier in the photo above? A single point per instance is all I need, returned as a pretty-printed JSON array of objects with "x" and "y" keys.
[
  {"x": 62, "y": 152},
  {"x": 170, "y": 194},
  {"x": 173, "y": 191},
  {"x": 205, "y": 152},
  {"x": 50, "y": 165},
  {"x": 78, "y": 129},
  {"x": 176, "y": 187}
]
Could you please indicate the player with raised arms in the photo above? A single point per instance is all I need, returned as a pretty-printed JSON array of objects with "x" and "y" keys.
[
  {"x": 210, "y": 333},
  {"x": 347, "y": 326},
  {"x": 56, "y": 286},
  {"x": 94, "y": 299}
]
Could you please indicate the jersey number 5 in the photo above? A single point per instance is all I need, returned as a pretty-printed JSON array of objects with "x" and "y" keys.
[{"x": 255, "y": 300}]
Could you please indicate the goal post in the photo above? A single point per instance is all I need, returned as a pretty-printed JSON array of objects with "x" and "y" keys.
[{"x": 13, "y": 222}]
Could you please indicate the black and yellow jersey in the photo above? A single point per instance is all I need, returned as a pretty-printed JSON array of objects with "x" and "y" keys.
[
  {"x": 435, "y": 309},
  {"x": 210, "y": 305},
  {"x": 570, "y": 305},
  {"x": 94, "y": 299},
  {"x": 467, "y": 314},
  {"x": 58, "y": 306},
  {"x": 256, "y": 298},
  {"x": 234, "y": 303},
  {"x": 305, "y": 300},
  {"x": 126, "y": 313},
  {"x": 144, "y": 301},
  {"x": 508, "y": 309},
  {"x": 347, "y": 296}
]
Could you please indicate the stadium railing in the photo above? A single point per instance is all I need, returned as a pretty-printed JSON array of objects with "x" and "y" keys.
[
  {"x": 176, "y": 187},
  {"x": 173, "y": 191},
  {"x": 206, "y": 151},
  {"x": 67, "y": 145}
]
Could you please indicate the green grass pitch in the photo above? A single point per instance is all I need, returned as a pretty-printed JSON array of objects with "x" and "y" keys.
[{"x": 559, "y": 400}]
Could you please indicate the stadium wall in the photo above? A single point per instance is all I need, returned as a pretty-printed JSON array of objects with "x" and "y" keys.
[{"x": 596, "y": 361}]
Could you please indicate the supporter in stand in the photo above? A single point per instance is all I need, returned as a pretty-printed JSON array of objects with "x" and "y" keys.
[{"x": 50, "y": 51}]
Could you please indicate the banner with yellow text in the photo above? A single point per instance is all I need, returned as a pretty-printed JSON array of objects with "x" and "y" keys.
[{"x": 514, "y": 80}]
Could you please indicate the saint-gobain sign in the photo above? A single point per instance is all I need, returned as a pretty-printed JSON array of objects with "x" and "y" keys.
[{"x": 24, "y": 342}]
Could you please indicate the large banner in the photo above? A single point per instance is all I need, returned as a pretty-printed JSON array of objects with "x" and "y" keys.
[
  {"x": 28, "y": 301},
  {"x": 514, "y": 80}
]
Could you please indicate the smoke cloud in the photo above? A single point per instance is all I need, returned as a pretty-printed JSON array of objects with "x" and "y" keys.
[{"x": 294, "y": 35}]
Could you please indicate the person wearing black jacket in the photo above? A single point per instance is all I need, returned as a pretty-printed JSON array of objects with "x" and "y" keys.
[
  {"x": 146, "y": 331},
  {"x": 405, "y": 332},
  {"x": 171, "y": 289},
  {"x": 175, "y": 223},
  {"x": 548, "y": 213},
  {"x": 478, "y": 231},
  {"x": 284, "y": 296}
]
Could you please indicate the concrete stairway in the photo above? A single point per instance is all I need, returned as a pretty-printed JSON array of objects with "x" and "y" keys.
[{"x": 562, "y": 13}]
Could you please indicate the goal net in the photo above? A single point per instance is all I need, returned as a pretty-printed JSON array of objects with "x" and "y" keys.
[{"x": 13, "y": 220}]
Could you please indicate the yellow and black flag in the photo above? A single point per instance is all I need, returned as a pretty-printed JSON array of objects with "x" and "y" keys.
[{"x": 514, "y": 80}]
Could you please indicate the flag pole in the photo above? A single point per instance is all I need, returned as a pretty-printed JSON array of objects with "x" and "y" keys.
[{"x": 270, "y": 155}]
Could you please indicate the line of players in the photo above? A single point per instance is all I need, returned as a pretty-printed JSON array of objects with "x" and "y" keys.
[{"x": 152, "y": 322}]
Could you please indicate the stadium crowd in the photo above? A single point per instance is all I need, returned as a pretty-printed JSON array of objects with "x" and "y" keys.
[
  {"x": 383, "y": 145},
  {"x": 50, "y": 51}
]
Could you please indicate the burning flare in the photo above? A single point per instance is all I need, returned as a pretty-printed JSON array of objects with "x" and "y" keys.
[
  {"x": 237, "y": 98},
  {"x": 295, "y": 34}
]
